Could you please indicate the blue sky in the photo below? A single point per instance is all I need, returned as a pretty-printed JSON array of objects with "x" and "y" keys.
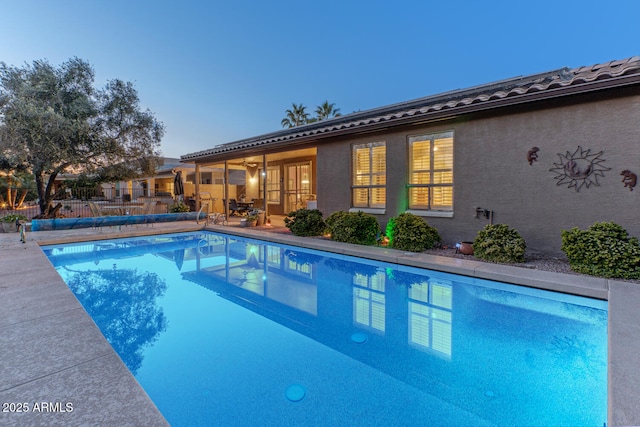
[{"x": 215, "y": 72}]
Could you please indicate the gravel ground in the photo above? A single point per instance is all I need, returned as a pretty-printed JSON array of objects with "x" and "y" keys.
[{"x": 535, "y": 261}]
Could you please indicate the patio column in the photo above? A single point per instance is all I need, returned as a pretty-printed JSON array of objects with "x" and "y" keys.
[
  {"x": 264, "y": 187},
  {"x": 197, "y": 185},
  {"x": 225, "y": 200}
]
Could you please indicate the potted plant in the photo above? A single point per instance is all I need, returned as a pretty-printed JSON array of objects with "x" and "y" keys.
[
  {"x": 10, "y": 222},
  {"x": 249, "y": 221}
]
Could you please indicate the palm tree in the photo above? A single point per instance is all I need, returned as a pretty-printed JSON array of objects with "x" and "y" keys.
[
  {"x": 327, "y": 111},
  {"x": 296, "y": 116},
  {"x": 17, "y": 180}
]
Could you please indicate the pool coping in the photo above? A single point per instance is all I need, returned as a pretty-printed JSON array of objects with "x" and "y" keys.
[{"x": 40, "y": 376}]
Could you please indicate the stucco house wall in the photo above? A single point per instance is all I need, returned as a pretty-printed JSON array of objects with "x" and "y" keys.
[
  {"x": 589, "y": 115},
  {"x": 333, "y": 175},
  {"x": 491, "y": 170}
]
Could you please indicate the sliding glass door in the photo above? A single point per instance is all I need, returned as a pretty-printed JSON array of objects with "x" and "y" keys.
[{"x": 297, "y": 185}]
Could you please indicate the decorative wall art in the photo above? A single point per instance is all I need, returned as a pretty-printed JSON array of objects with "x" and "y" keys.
[
  {"x": 629, "y": 178},
  {"x": 532, "y": 155},
  {"x": 580, "y": 168}
]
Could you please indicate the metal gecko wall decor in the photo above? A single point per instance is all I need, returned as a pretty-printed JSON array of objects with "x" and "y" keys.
[
  {"x": 532, "y": 155},
  {"x": 629, "y": 179},
  {"x": 578, "y": 169}
]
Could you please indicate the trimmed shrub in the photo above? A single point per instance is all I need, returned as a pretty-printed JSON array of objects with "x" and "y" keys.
[
  {"x": 354, "y": 227},
  {"x": 179, "y": 207},
  {"x": 499, "y": 243},
  {"x": 409, "y": 232},
  {"x": 604, "y": 249},
  {"x": 305, "y": 222},
  {"x": 12, "y": 218},
  {"x": 333, "y": 218}
]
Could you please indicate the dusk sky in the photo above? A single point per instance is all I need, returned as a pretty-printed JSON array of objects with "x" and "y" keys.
[{"x": 215, "y": 72}]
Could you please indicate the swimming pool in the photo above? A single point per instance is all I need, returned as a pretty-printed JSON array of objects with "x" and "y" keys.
[{"x": 237, "y": 331}]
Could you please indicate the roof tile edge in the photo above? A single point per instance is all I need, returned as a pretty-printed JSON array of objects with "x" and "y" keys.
[{"x": 508, "y": 88}]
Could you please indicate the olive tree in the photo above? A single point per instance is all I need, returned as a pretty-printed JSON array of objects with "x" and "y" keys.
[{"x": 54, "y": 120}]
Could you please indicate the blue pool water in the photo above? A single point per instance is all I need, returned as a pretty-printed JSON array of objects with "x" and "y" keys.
[{"x": 223, "y": 330}]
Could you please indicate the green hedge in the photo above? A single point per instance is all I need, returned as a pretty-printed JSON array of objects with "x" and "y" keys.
[
  {"x": 305, "y": 222},
  {"x": 408, "y": 232},
  {"x": 353, "y": 227},
  {"x": 333, "y": 218},
  {"x": 499, "y": 243},
  {"x": 604, "y": 249}
]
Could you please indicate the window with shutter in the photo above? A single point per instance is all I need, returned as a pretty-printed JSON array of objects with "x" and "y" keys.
[{"x": 431, "y": 172}]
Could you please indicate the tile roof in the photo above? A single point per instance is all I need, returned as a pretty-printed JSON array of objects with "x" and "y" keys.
[{"x": 505, "y": 92}]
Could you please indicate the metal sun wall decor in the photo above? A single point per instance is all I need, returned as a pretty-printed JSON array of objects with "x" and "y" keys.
[
  {"x": 629, "y": 179},
  {"x": 580, "y": 168}
]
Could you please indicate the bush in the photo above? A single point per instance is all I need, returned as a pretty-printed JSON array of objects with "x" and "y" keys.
[
  {"x": 354, "y": 227},
  {"x": 499, "y": 243},
  {"x": 12, "y": 218},
  {"x": 604, "y": 249},
  {"x": 179, "y": 207},
  {"x": 333, "y": 218},
  {"x": 305, "y": 222},
  {"x": 409, "y": 232}
]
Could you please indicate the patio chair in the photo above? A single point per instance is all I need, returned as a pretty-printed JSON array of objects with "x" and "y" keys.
[
  {"x": 234, "y": 209},
  {"x": 149, "y": 208},
  {"x": 216, "y": 218},
  {"x": 258, "y": 203},
  {"x": 95, "y": 210}
]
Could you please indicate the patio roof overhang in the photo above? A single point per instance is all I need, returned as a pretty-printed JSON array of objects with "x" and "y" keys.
[
  {"x": 253, "y": 153},
  {"x": 552, "y": 85}
]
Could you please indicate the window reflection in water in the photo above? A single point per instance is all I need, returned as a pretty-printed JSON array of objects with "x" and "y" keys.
[
  {"x": 369, "y": 300},
  {"x": 279, "y": 274},
  {"x": 430, "y": 304}
]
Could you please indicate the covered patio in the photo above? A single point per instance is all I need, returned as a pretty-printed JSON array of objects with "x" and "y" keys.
[{"x": 236, "y": 182}]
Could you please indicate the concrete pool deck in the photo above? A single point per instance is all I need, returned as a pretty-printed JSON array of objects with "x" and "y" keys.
[{"x": 51, "y": 352}]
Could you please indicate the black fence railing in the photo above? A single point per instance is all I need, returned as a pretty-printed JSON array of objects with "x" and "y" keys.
[
  {"x": 28, "y": 210},
  {"x": 74, "y": 201},
  {"x": 110, "y": 194}
]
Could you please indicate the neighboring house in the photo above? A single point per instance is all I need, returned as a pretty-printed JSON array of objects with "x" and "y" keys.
[
  {"x": 541, "y": 153},
  {"x": 160, "y": 185}
]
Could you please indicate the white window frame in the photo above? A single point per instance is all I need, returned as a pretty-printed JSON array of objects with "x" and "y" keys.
[
  {"x": 428, "y": 210},
  {"x": 371, "y": 207}
]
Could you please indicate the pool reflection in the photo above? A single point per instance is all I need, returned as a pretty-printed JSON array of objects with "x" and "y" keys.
[
  {"x": 284, "y": 282},
  {"x": 490, "y": 345}
]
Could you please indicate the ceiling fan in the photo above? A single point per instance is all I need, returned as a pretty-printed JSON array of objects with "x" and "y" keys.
[{"x": 251, "y": 165}]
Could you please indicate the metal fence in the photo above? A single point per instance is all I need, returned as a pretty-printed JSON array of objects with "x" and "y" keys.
[
  {"x": 108, "y": 194},
  {"x": 74, "y": 202}
]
